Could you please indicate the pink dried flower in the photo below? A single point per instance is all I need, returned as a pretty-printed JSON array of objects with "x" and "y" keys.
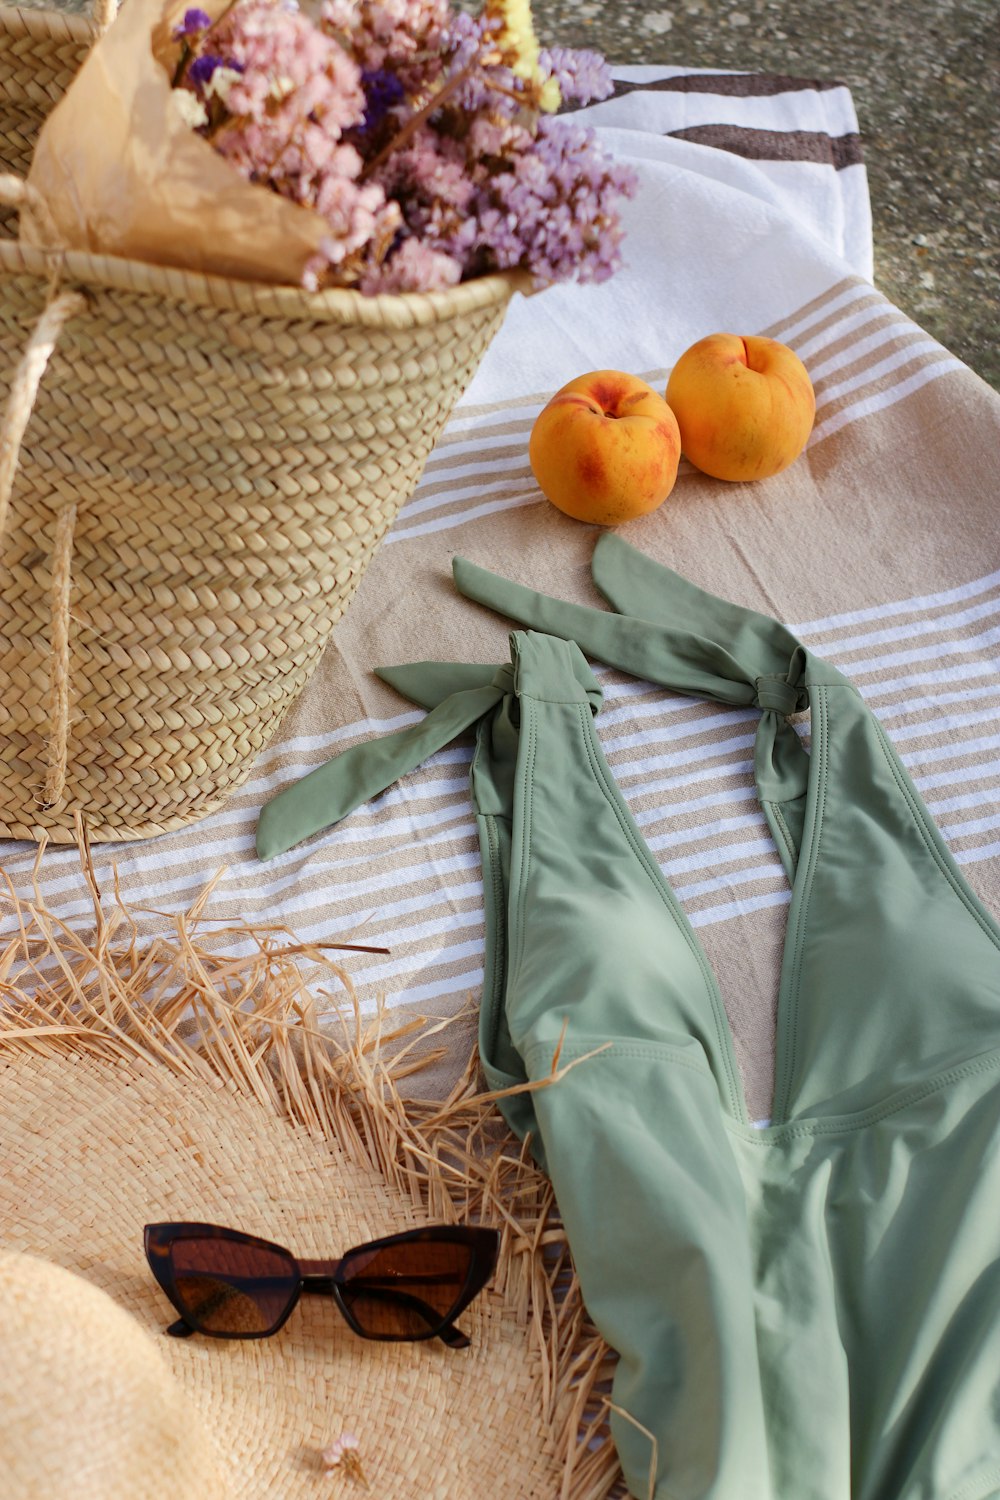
[
  {"x": 414, "y": 267},
  {"x": 285, "y": 59},
  {"x": 405, "y": 37}
]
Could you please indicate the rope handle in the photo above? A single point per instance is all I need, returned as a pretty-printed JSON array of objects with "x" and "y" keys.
[
  {"x": 16, "y": 193},
  {"x": 20, "y": 402}
]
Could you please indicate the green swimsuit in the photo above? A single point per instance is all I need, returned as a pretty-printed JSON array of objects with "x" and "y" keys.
[{"x": 809, "y": 1311}]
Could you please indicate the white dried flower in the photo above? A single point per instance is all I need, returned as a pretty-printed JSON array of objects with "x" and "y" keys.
[
  {"x": 281, "y": 88},
  {"x": 221, "y": 81},
  {"x": 189, "y": 108},
  {"x": 343, "y": 1454}
]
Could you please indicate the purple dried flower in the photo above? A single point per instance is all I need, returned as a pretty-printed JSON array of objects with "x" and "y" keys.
[
  {"x": 582, "y": 76},
  {"x": 466, "y": 37},
  {"x": 383, "y": 90},
  {"x": 193, "y": 24},
  {"x": 554, "y": 212},
  {"x": 201, "y": 69}
]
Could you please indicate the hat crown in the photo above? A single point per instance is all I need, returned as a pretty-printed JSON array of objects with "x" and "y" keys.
[{"x": 88, "y": 1405}]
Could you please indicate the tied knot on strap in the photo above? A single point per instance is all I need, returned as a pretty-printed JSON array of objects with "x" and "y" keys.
[
  {"x": 781, "y": 765},
  {"x": 777, "y": 695}
]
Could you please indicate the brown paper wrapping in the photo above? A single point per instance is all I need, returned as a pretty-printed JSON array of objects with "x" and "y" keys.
[{"x": 121, "y": 174}]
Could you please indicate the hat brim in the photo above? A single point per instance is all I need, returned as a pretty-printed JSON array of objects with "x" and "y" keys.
[{"x": 258, "y": 1118}]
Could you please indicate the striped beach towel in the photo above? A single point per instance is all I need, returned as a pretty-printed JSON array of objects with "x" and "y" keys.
[{"x": 878, "y": 546}]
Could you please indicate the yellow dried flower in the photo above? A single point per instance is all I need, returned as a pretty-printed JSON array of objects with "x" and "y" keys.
[{"x": 518, "y": 45}]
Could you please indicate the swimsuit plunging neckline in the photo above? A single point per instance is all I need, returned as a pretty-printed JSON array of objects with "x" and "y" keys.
[
  {"x": 796, "y": 928},
  {"x": 812, "y": 1321}
]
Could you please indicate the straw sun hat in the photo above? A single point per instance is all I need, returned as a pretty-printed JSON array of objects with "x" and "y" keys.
[
  {"x": 90, "y": 1407},
  {"x": 179, "y": 1083}
]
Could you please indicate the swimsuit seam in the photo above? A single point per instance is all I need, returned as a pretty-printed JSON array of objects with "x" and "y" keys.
[
  {"x": 668, "y": 899},
  {"x": 537, "y": 698},
  {"x": 927, "y": 839},
  {"x": 782, "y": 827},
  {"x": 619, "y": 1049},
  {"x": 497, "y": 990},
  {"x": 526, "y": 821},
  {"x": 971, "y": 1491},
  {"x": 874, "y": 1116},
  {"x": 790, "y": 1000}
]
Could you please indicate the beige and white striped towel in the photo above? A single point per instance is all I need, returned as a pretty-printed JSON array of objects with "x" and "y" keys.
[{"x": 879, "y": 545}]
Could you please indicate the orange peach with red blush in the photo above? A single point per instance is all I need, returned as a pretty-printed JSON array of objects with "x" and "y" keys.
[
  {"x": 745, "y": 406},
  {"x": 606, "y": 448}
]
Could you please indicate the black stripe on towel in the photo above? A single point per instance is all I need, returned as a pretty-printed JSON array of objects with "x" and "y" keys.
[
  {"x": 777, "y": 145},
  {"x": 735, "y": 85}
]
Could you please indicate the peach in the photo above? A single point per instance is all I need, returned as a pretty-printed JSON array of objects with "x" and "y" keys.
[
  {"x": 605, "y": 448},
  {"x": 745, "y": 406}
]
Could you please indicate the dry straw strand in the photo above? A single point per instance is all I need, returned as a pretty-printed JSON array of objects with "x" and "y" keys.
[{"x": 249, "y": 1021}]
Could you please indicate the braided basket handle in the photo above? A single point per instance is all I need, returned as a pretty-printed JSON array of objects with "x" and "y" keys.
[{"x": 60, "y": 307}]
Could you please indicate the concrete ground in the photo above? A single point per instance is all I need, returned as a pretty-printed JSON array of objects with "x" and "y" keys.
[{"x": 925, "y": 77}]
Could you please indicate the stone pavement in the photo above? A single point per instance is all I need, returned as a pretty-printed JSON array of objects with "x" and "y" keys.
[{"x": 925, "y": 77}]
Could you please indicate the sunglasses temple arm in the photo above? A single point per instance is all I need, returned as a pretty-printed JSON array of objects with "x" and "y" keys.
[
  {"x": 180, "y": 1329},
  {"x": 453, "y": 1336}
]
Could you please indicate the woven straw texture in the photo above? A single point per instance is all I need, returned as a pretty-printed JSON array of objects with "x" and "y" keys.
[
  {"x": 206, "y": 468},
  {"x": 429, "y": 1422},
  {"x": 86, "y": 1396},
  {"x": 39, "y": 53},
  {"x": 279, "y": 1120}
]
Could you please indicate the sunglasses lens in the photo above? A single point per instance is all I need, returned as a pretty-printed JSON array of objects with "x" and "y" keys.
[
  {"x": 223, "y": 1286},
  {"x": 404, "y": 1291}
]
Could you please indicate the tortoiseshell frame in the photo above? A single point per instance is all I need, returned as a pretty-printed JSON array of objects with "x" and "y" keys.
[{"x": 325, "y": 1276}]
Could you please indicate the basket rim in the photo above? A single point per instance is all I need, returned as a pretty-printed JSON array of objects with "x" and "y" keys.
[
  {"x": 38, "y": 21},
  {"x": 344, "y": 305}
]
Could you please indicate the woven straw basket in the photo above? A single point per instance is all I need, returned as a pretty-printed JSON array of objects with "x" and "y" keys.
[{"x": 188, "y": 498}]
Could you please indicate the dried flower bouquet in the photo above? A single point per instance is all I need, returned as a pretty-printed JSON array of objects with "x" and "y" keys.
[
  {"x": 413, "y": 146},
  {"x": 423, "y": 136}
]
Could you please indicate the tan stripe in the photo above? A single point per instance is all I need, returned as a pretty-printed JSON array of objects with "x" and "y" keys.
[
  {"x": 484, "y": 477},
  {"x": 739, "y": 891},
  {"x": 494, "y": 454},
  {"x": 815, "y": 306},
  {"x": 929, "y": 639},
  {"x": 669, "y": 820},
  {"x": 837, "y": 151},
  {"x": 884, "y": 325},
  {"x": 514, "y": 428},
  {"x": 899, "y": 725},
  {"x": 828, "y": 639},
  {"x": 882, "y": 383},
  {"x": 869, "y": 307},
  {"x": 961, "y": 842},
  {"x": 906, "y": 338},
  {"x": 731, "y": 85}
]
